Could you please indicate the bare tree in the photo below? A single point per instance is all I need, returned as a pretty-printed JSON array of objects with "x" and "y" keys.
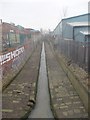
[{"x": 64, "y": 12}]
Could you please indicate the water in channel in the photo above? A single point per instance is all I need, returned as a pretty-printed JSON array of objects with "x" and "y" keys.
[{"x": 42, "y": 107}]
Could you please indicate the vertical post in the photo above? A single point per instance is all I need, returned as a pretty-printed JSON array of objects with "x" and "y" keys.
[
  {"x": 0, "y": 35},
  {"x": 0, "y": 70},
  {"x": 88, "y": 60},
  {"x": 88, "y": 39}
]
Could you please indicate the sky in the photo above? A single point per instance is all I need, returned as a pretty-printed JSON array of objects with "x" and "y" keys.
[{"x": 37, "y": 14}]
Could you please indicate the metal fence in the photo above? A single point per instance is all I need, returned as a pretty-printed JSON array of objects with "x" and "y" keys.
[{"x": 77, "y": 52}]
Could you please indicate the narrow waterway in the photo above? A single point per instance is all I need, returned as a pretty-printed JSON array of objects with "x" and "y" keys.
[{"x": 42, "y": 107}]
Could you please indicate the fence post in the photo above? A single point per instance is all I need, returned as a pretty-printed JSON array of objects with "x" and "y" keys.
[
  {"x": 88, "y": 40},
  {"x": 89, "y": 58}
]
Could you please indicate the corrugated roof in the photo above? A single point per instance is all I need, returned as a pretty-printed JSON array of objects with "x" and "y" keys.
[
  {"x": 85, "y": 32},
  {"x": 77, "y": 24},
  {"x": 76, "y": 16},
  {"x": 71, "y": 18}
]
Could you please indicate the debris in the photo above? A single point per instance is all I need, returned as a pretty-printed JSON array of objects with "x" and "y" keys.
[{"x": 7, "y": 110}]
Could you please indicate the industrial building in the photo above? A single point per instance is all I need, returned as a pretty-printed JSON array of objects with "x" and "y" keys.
[
  {"x": 16, "y": 46},
  {"x": 72, "y": 38},
  {"x": 74, "y": 28},
  {"x": 13, "y": 36}
]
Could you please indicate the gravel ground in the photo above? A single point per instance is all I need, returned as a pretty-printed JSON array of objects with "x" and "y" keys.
[
  {"x": 65, "y": 101},
  {"x": 19, "y": 97}
]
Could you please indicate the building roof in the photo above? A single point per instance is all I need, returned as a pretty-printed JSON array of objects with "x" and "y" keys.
[
  {"x": 77, "y": 24},
  {"x": 85, "y": 32},
  {"x": 71, "y": 18},
  {"x": 76, "y": 16}
]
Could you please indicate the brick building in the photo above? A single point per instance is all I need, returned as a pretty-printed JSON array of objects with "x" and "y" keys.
[{"x": 12, "y": 36}]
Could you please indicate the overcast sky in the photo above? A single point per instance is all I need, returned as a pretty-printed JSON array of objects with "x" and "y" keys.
[{"x": 38, "y": 14}]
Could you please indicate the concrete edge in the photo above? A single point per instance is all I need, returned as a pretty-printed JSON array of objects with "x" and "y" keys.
[{"x": 51, "y": 103}]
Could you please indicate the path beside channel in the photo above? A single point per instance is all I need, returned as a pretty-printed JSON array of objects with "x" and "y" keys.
[
  {"x": 19, "y": 97},
  {"x": 66, "y": 102}
]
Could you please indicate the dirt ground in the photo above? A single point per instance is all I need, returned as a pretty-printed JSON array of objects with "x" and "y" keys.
[{"x": 19, "y": 97}]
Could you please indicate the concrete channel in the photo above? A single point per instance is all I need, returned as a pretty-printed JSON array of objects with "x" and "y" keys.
[{"x": 42, "y": 107}]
